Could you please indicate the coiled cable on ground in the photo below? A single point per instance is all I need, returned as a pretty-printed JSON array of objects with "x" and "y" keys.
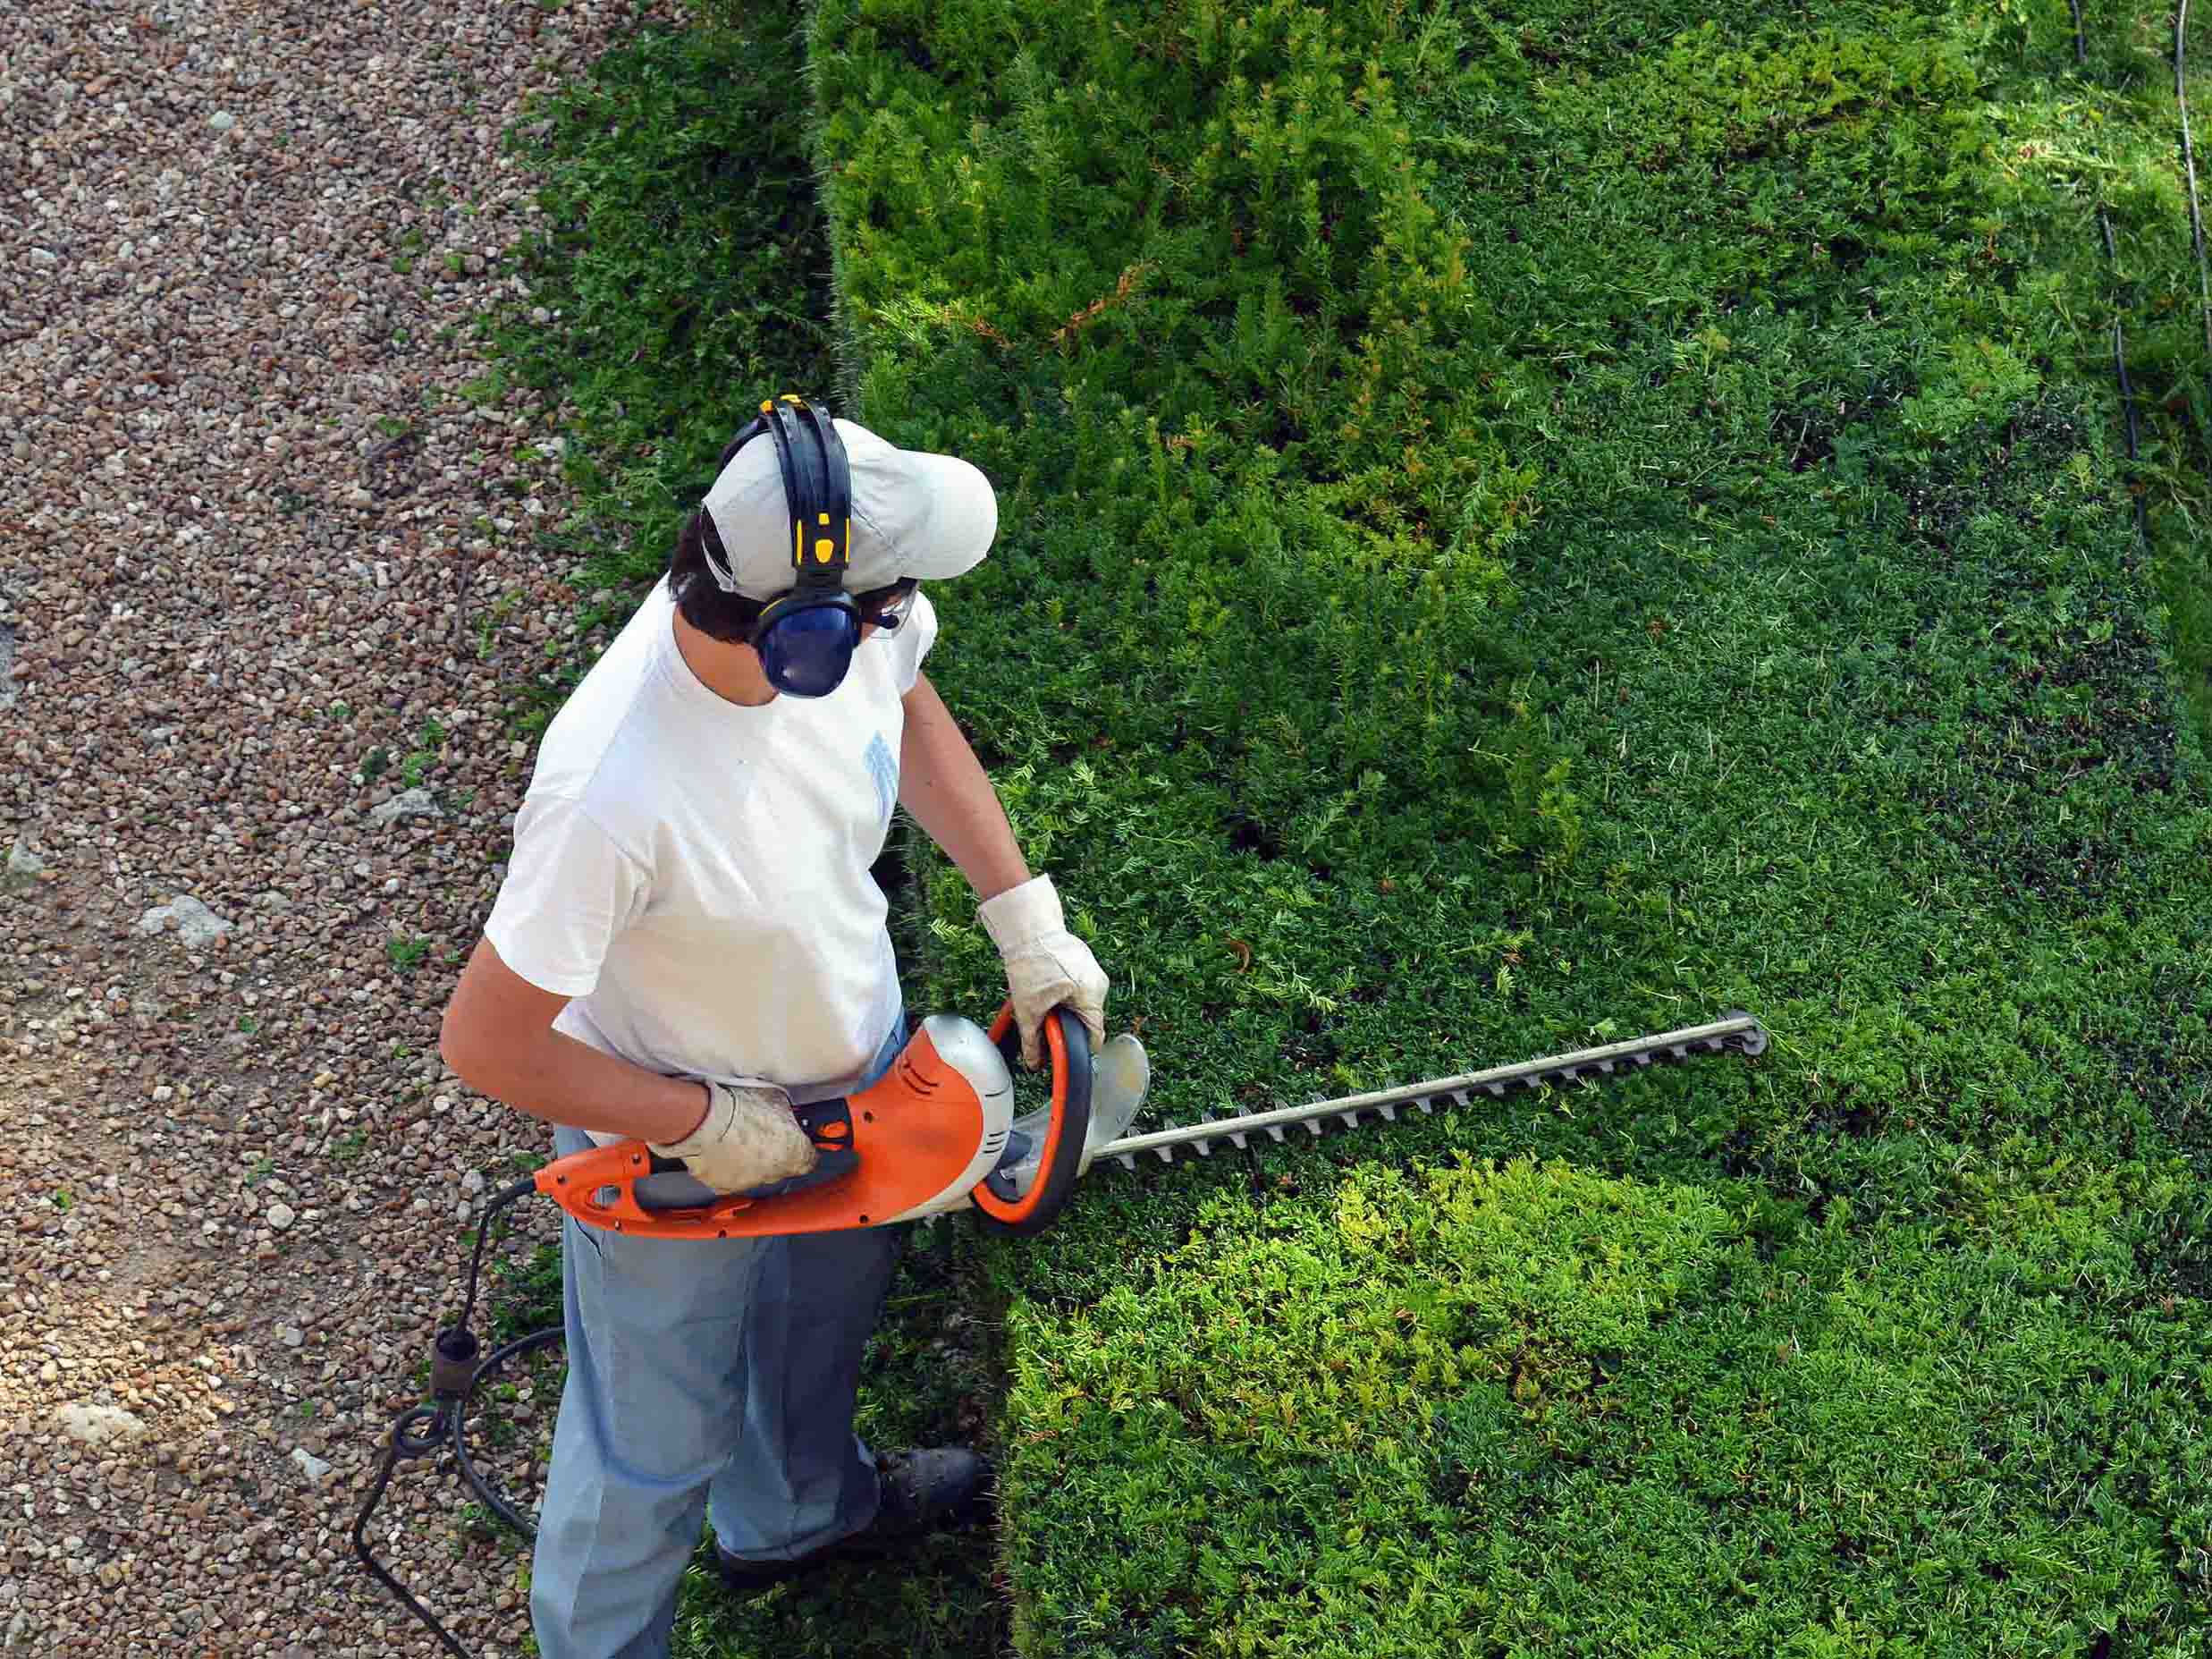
[{"x": 456, "y": 1374}]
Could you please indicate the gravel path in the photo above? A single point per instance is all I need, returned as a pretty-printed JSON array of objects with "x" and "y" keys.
[{"x": 249, "y": 536}]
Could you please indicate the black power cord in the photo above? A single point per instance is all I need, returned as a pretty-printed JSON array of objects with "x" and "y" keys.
[
  {"x": 455, "y": 1374},
  {"x": 2189, "y": 166}
]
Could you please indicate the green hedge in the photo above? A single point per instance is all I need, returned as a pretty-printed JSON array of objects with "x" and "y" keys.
[
  {"x": 679, "y": 268},
  {"x": 1527, "y": 1409},
  {"x": 1247, "y": 623},
  {"x": 1591, "y": 517}
]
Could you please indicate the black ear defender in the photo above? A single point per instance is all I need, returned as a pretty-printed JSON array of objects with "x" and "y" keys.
[{"x": 806, "y": 636}]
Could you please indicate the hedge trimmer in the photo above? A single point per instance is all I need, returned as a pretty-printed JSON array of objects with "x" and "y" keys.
[{"x": 937, "y": 1133}]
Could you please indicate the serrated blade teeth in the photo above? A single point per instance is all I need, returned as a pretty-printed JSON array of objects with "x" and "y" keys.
[{"x": 1734, "y": 1030}]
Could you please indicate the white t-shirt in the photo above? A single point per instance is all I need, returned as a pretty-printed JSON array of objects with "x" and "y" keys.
[{"x": 695, "y": 874}]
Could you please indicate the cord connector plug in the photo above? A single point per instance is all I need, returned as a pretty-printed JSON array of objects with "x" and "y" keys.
[{"x": 453, "y": 1362}]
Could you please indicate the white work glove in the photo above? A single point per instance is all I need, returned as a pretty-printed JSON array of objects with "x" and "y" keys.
[
  {"x": 747, "y": 1139},
  {"x": 1046, "y": 966}
]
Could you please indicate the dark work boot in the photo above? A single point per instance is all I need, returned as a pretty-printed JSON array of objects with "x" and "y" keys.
[{"x": 937, "y": 1490}]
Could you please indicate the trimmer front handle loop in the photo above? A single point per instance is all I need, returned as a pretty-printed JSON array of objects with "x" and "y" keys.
[{"x": 1067, "y": 1049}]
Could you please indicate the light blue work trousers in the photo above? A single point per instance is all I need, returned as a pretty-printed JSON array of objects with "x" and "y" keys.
[{"x": 706, "y": 1378}]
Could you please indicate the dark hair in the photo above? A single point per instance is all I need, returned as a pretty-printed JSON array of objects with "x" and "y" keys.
[{"x": 728, "y": 617}]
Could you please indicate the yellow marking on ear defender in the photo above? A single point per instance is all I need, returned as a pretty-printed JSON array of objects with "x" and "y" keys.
[
  {"x": 821, "y": 518},
  {"x": 824, "y": 549},
  {"x": 767, "y": 406},
  {"x": 798, "y": 544}
]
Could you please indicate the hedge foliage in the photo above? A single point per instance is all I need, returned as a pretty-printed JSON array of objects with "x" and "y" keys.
[
  {"x": 1597, "y": 516},
  {"x": 1525, "y": 1409}
]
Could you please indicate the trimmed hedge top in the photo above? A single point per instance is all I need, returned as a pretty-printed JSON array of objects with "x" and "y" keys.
[{"x": 1517, "y": 530}]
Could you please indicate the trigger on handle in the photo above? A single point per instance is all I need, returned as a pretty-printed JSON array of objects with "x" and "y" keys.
[{"x": 827, "y": 1124}]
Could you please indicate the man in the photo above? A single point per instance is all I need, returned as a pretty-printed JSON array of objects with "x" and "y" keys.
[{"x": 688, "y": 941}]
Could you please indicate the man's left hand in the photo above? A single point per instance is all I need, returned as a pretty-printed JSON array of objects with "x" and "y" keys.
[{"x": 1046, "y": 966}]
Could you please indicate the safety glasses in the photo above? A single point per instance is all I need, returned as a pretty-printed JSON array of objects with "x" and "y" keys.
[{"x": 888, "y": 607}]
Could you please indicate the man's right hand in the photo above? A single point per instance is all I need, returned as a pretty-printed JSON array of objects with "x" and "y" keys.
[{"x": 747, "y": 1139}]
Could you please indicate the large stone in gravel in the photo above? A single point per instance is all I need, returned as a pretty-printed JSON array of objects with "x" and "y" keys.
[
  {"x": 413, "y": 803},
  {"x": 24, "y": 866},
  {"x": 95, "y": 1425},
  {"x": 311, "y": 1466},
  {"x": 7, "y": 665},
  {"x": 197, "y": 926}
]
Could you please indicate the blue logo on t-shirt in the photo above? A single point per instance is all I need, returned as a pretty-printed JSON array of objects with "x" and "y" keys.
[{"x": 884, "y": 770}]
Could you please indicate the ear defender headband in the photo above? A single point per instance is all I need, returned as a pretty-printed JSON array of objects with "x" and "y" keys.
[{"x": 807, "y": 637}]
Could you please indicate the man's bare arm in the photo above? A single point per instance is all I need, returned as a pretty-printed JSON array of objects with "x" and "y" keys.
[
  {"x": 945, "y": 788},
  {"x": 498, "y": 1039}
]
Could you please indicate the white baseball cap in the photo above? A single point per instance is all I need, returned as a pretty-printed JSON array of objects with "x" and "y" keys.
[{"x": 915, "y": 514}]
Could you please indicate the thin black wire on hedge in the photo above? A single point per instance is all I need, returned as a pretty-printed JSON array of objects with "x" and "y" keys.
[
  {"x": 2119, "y": 335},
  {"x": 2189, "y": 166}
]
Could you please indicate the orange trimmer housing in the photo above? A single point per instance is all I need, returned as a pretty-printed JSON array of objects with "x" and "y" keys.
[{"x": 926, "y": 1138}]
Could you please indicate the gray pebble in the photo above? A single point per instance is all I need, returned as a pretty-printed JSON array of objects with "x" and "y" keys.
[
  {"x": 95, "y": 1425},
  {"x": 196, "y": 924},
  {"x": 412, "y": 803}
]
